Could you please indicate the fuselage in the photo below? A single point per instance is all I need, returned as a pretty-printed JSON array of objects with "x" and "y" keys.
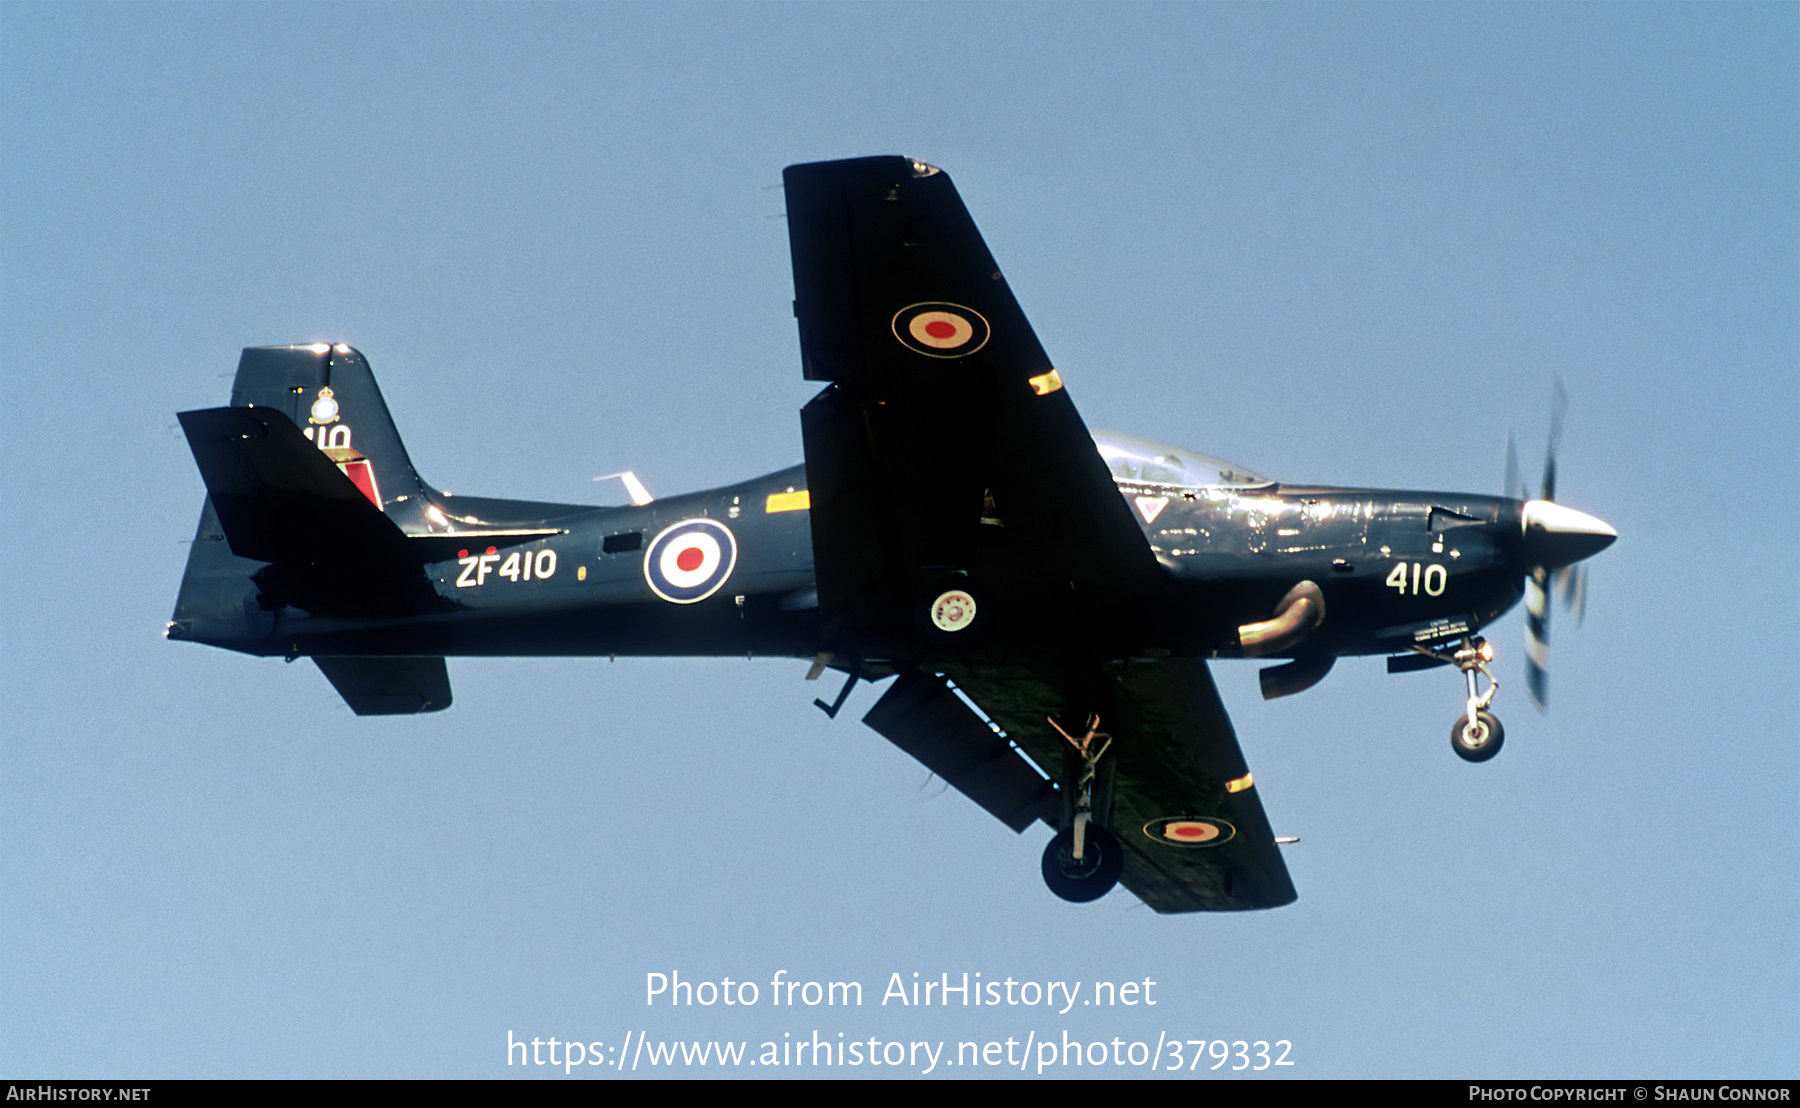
[{"x": 729, "y": 571}]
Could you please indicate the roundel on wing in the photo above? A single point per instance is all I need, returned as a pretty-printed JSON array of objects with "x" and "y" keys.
[
  {"x": 940, "y": 330},
  {"x": 688, "y": 561},
  {"x": 1189, "y": 831}
]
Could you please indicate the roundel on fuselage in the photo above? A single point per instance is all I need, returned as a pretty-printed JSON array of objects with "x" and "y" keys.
[{"x": 688, "y": 561}]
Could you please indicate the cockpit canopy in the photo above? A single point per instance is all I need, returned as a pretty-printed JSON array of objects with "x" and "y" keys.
[{"x": 1133, "y": 459}]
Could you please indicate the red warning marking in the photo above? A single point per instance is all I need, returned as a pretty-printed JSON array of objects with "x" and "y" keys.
[
  {"x": 362, "y": 475},
  {"x": 462, "y": 553}
]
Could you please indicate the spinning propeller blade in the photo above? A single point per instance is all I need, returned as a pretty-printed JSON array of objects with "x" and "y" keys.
[
  {"x": 1515, "y": 481},
  {"x": 1556, "y": 538}
]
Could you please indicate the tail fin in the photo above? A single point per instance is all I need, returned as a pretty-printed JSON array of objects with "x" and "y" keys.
[
  {"x": 329, "y": 392},
  {"x": 311, "y": 500},
  {"x": 306, "y": 472}
]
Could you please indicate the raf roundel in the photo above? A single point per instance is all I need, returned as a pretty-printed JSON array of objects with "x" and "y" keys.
[
  {"x": 939, "y": 330},
  {"x": 688, "y": 561},
  {"x": 1189, "y": 831}
]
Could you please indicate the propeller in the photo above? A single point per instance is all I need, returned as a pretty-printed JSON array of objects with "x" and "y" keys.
[{"x": 1556, "y": 539}]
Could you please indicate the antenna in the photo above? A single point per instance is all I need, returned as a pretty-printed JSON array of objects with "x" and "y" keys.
[{"x": 634, "y": 488}]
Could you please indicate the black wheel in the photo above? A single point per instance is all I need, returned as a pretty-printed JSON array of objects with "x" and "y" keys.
[
  {"x": 1477, "y": 743},
  {"x": 956, "y": 613},
  {"x": 1094, "y": 876}
]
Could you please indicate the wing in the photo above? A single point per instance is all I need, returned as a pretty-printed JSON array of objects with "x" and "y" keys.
[
  {"x": 943, "y": 421},
  {"x": 1174, "y": 788},
  {"x": 945, "y": 444}
]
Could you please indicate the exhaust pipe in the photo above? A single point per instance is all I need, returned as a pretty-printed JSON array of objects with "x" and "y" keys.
[{"x": 1300, "y": 611}]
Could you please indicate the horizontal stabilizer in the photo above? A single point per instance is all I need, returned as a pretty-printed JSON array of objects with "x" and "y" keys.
[
  {"x": 279, "y": 498},
  {"x": 389, "y": 686},
  {"x": 920, "y": 715}
]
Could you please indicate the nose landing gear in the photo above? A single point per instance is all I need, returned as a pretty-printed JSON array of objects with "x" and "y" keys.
[{"x": 1476, "y": 735}]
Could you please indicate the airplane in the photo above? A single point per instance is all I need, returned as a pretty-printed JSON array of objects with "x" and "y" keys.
[{"x": 1043, "y": 600}]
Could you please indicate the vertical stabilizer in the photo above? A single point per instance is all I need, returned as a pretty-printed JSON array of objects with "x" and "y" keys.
[
  {"x": 330, "y": 394},
  {"x": 282, "y": 537}
]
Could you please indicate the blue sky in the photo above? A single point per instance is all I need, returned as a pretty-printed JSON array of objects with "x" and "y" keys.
[{"x": 1343, "y": 243}]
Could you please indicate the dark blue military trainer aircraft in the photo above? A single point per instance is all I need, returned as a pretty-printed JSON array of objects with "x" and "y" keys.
[{"x": 1043, "y": 599}]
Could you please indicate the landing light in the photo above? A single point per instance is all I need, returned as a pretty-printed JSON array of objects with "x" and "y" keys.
[{"x": 1239, "y": 785}]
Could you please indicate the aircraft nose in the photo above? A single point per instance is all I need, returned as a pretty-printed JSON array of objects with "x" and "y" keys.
[{"x": 1557, "y": 536}]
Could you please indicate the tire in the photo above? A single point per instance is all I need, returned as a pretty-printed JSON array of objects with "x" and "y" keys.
[
  {"x": 1479, "y": 743},
  {"x": 1098, "y": 872}
]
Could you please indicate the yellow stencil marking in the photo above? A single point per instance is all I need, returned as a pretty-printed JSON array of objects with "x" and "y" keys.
[{"x": 796, "y": 501}]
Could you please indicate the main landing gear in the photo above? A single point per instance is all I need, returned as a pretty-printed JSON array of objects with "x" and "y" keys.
[
  {"x": 1476, "y": 735},
  {"x": 1083, "y": 862}
]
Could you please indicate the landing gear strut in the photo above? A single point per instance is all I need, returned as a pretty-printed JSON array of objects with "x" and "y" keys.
[
  {"x": 1476, "y": 735},
  {"x": 1084, "y": 860}
]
